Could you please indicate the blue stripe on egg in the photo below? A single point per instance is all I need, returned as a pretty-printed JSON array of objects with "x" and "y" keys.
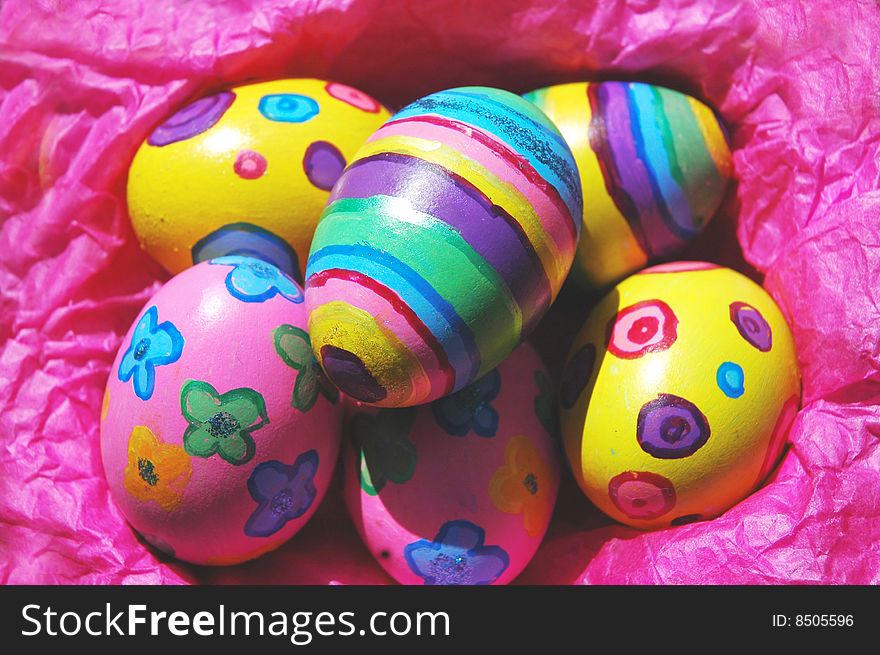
[
  {"x": 435, "y": 311},
  {"x": 537, "y": 141}
]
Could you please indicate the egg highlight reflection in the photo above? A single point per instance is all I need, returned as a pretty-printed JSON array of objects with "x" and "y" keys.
[{"x": 678, "y": 395}]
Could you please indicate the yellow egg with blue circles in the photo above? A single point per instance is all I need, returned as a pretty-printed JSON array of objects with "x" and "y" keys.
[
  {"x": 246, "y": 171},
  {"x": 678, "y": 394}
]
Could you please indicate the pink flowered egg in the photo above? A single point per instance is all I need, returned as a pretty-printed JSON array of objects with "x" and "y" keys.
[
  {"x": 459, "y": 491},
  {"x": 219, "y": 431}
]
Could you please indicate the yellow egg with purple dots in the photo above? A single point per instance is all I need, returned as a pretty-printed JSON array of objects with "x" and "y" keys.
[
  {"x": 678, "y": 394},
  {"x": 246, "y": 171}
]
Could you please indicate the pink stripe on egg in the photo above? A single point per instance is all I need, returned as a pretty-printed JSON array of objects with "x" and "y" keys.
[{"x": 552, "y": 215}]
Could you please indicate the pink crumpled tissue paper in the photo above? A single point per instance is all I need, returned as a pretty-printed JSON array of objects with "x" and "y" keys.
[{"x": 82, "y": 82}]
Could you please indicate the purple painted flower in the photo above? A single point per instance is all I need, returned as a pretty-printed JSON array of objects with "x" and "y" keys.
[
  {"x": 283, "y": 493},
  {"x": 470, "y": 408},
  {"x": 457, "y": 556}
]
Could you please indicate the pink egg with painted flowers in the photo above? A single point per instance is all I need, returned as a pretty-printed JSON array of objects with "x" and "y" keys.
[
  {"x": 459, "y": 491},
  {"x": 219, "y": 432}
]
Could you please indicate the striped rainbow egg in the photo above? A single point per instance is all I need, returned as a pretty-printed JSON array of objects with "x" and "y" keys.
[
  {"x": 444, "y": 241},
  {"x": 654, "y": 164}
]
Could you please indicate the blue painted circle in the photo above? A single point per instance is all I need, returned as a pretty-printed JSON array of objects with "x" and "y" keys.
[
  {"x": 288, "y": 107},
  {"x": 731, "y": 379}
]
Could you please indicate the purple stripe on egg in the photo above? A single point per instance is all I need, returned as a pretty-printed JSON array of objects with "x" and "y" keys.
[
  {"x": 434, "y": 190},
  {"x": 612, "y": 136}
]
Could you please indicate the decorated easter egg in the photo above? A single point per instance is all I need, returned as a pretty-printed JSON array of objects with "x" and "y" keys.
[
  {"x": 219, "y": 432},
  {"x": 444, "y": 242},
  {"x": 678, "y": 394},
  {"x": 654, "y": 164},
  {"x": 246, "y": 171},
  {"x": 459, "y": 491}
]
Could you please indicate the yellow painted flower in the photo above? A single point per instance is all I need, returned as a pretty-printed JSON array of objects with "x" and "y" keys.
[
  {"x": 156, "y": 471},
  {"x": 524, "y": 485}
]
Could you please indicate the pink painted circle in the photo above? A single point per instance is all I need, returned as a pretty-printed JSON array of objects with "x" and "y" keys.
[
  {"x": 353, "y": 97},
  {"x": 642, "y": 495},
  {"x": 645, "y": 327},
  {"x": 250, "y": 165}
]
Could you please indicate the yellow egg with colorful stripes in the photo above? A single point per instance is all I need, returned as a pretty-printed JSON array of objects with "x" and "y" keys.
[
  {"x": 246, "y": 171},
  {"x": 654, "y": 165},
  {"x": 442, "y": 245},
  {"x": 678, "y": 394}
]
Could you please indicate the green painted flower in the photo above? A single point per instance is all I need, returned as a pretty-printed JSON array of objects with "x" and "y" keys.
[
  {"x": 221, "y": 423},
  {"x": 385, "y": 452},
  {"x": 293, "y": 346},
  {"x": 545, "y": 404}
]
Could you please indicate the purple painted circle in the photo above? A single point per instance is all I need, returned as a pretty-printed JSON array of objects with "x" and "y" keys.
[
  {"x": 323, "y": 164},
  {"x": 577, "y": 374},
  {"x": 348, "y": 372},
  {"x": 670, "y": 427},
  {"x": 192, "y": 120},
  {"x": 752, "y": 326}
]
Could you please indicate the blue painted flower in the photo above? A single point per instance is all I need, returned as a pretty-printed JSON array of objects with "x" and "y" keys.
[
  {"x": 152, "y": 344},
  {"x": 283, "y": 492},
  {"x": 457, "y": 556},
  {"x": 253, "y": 280},
  {"x": 470, "y": 408}
]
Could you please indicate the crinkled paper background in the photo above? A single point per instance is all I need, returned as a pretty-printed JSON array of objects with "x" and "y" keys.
[{"x": 797, "y": 81}]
